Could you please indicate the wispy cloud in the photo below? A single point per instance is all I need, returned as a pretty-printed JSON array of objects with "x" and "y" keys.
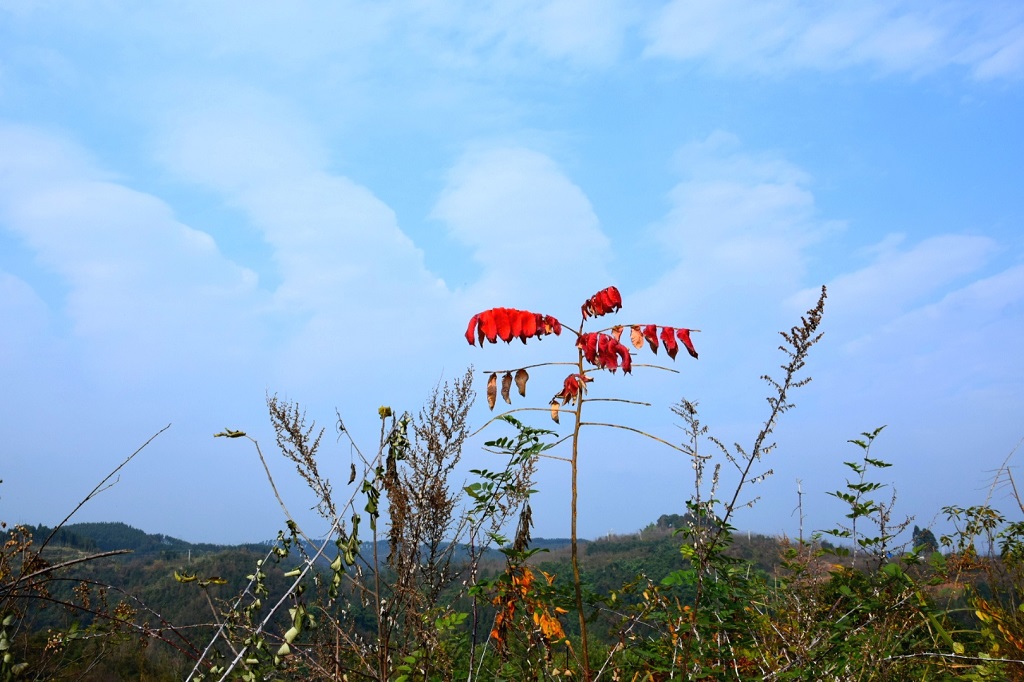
[
  {"x": 785, "y": 35},
  {"x": 901, "y": 278},
  {"x": 924, "y": 324},
  {"x": 739, "y": 223}
]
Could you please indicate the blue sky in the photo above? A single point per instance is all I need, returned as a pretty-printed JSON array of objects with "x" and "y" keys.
[{"x": 203, "y": 203}]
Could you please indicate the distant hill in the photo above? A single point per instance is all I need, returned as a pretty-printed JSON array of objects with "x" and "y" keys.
[
  {"x": 657, "y": 539},
  {"x": 114, "y": 535}
]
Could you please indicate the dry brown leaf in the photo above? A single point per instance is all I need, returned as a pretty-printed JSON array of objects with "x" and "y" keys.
[
  {"x": 521, "y": 379},
  {"x": 554, "y": 410},
  {"x": 492, "y": 390},
  {"x": 636, "y": 336},
  {"x": 617, "y": 332},
  {"x": 506, "y": 385}
]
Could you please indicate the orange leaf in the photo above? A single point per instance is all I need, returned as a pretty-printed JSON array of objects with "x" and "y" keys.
[
  {"x": 506, "y": 385},
  {"x": 635, "y": 336},
  {"x": 492, "y": 390},
  {"x": 521, "y": 378},
  {"x": 617, "y": 332}
]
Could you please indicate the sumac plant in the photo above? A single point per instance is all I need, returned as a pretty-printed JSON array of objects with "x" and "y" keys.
[{"x": 597, "y": 352}]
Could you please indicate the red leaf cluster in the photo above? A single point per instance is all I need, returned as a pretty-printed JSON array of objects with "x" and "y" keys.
[
  {"x": 668, "y": 337},
  {"x": 603, "y": 302},
  {"x": 509, "y": 323},
  {"x": 605, "y": 352},
  {"x": 572, "y": 387}
]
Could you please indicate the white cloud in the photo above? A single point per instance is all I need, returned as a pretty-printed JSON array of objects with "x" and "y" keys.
[
  {"x": 578, "y": 30},
  {"x": 734, "y": 245},
  {"x": 897, "y": 281},
  {"x": 739, "y": 221},
  {"x": 358, "y": 37},
  {"x": 345, "y": 266},
  {"x": 23, "y": 320},
  {"x": 240, "y": 138},
  {"x": 783, "y": 35},
  {"x": 1003, "y": 58},
  {"x": 927, "y": 334},
  {"x": 143, "y": 289},
  {"x": 529, "y": 227}
]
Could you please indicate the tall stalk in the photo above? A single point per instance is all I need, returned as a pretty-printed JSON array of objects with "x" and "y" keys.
[{"x": 577, "y": 583}]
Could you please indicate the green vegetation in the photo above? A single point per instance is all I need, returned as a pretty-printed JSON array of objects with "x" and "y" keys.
[{"x": 418, "y": 580}]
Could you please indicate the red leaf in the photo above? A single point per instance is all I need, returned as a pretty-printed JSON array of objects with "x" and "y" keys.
[
  {"x": 573, "y": 386},
  {"x": 471, "y": 330},
  {"x": 588, "y": 344},
  {"x": 617, "y": 355},
  {"x": 515, "y": 321},
  {"x": 603, "y": 302},
  {"x": 508, "y": 323},
  {"x": 606, "y": 352},
  {"x": 669, "y": 339},
  {"x": 684, "y": 336},
  {"x": 552, "y": 326},
  {"x": 651, "y": 334},
  {"x": 570, "y": 389},
  {"x": 489, "y": 325},
  {"x": 613, "y": 298},
  {"x": 503, "y": 324},
  {"x": 627, "y": 358},
  {"x": 528, "y": 325}
]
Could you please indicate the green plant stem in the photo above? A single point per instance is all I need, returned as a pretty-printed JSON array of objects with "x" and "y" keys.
[{"x": 584, "y": 649}]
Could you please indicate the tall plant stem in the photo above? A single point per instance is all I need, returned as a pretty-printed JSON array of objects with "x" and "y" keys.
[{"x": 584, "y": 649}]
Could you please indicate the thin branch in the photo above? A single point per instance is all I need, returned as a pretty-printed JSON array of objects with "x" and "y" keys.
[
  {"x": 99, "y": 488},
  {"x": 618, "y": 400},
  {"x": 642, "y": 433},
  {"x": 539, "y": 364},
  {"x": 497, "y": 417},
  {"x": 65, "y": 564},
  {"x": 956, "y": 657}
]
